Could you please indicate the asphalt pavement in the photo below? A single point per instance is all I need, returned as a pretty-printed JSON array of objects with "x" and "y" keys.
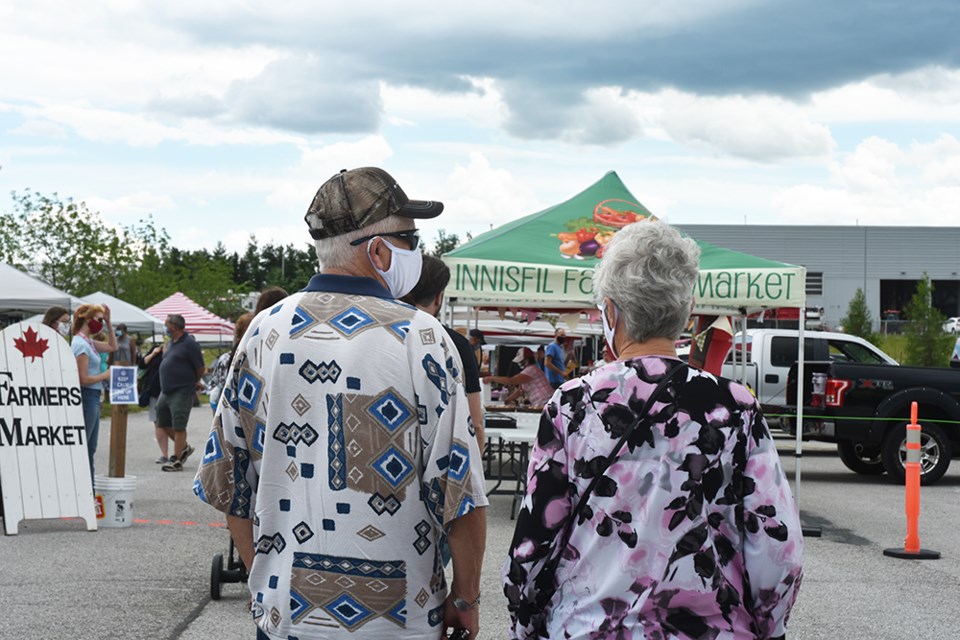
[{"x": 152, "y": 580}]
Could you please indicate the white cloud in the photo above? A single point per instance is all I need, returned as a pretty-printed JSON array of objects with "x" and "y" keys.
[
  {"x": 477, "y": 196},
  {"x": 131, "y": 207},
  {"x": 929, "y": 94},
  {"x": 872, "y": 167},
  {"x": 880, "y": 183},
  {"x": 415, "y": 106},
  {"x": 40, "y": 128},
  {"x": 293, "y": 187},
  {"x": 762, "y": 128}
]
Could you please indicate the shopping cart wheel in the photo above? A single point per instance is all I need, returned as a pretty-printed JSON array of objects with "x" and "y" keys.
[{"x": 216, "y": 571}]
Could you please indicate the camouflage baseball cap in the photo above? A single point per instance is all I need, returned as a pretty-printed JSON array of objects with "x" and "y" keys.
[{"x": 352, "y": 200}]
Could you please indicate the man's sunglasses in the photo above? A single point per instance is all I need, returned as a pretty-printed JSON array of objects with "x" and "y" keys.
[{"x": 412, "y": 237}]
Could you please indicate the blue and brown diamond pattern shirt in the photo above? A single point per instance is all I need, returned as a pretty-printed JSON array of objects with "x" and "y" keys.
[{"x": 343, "y": 432}]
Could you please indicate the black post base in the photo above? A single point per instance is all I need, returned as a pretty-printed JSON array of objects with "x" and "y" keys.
[{"x": 922, "y": 554}]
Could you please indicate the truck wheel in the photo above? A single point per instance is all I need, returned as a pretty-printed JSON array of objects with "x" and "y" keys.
[
  {"x": 859, "y": 458},
  {"x": 934, "y": 453}
]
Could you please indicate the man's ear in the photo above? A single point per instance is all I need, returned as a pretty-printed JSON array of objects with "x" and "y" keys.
[{"x": 380, "y": 254}]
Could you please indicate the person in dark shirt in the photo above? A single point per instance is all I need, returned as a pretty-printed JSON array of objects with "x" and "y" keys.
[
  {"x": 180, "y": 373},
  {"x": 427, "y": 296}
]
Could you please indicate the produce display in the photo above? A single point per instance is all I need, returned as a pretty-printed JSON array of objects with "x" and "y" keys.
[{"x": 586, "y": 237}]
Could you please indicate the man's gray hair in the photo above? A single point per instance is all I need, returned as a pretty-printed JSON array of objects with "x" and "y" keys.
[
  {"x": 648, "y": 270},
  {"x": 337, "y": 253},
  {"x": 177, "y": 320}
]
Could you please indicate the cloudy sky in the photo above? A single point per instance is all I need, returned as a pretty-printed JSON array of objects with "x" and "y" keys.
[{"x": 221, "y": 118}]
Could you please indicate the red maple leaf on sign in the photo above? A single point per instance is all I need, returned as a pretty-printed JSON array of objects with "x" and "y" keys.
[{"x": 31, "y": 347}]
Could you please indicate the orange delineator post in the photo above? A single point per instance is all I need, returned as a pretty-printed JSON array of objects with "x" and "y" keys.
[{"x": 911, "y": 544}]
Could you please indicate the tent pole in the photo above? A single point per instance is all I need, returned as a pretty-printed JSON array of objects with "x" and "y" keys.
[
  {"x": 743, "y": 347},
  {"x": 814, "y": 532},
  {"x": 798, "y": 452}
]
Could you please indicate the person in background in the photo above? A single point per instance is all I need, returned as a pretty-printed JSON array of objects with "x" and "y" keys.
[
  {"x": 477, "y": 341},
  {"x": 150, "y": 363},
  {"x": 58, "y": 319},
  {"x": 570, "y": 370},
  {"x": 368, "y": 432},
  {"x": 268, "y": 297},
  {"x": 530, "y": 381},
  {"x": 540, "y": 357},
  {"x": 554, "y": 362},
  {"x": 691, "y": 531},
  {"x": 88, "y": 321},
  {"x": 955, "y": 356},
  {"x": 181, "y": 372},
  {"x": 427, "y": 296},
  {"x": 221, "y": 366},
  {"x": 104, "y": 365},
  {"x": 126, "y": 353}
]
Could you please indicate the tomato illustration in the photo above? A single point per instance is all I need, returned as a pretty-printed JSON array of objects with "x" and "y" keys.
[{"x": 585, "y": 234}]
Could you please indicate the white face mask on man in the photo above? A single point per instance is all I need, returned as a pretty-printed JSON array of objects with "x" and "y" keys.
[{"x": 404, "y": 271}]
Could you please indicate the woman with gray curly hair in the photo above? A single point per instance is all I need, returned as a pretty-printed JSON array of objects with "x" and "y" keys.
[{"x": 656, "y": 505}]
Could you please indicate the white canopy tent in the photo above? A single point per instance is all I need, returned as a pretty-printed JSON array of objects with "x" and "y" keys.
[{"x": 24, "y": 294}]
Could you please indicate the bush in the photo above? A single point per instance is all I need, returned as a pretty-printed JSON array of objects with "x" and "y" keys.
[
  {"x": 927, "y": 344},
  {"x": 858, "y": 321}
]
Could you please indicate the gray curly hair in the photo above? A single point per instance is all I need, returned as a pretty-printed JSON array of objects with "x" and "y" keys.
[{"x": 648, "y": 270}]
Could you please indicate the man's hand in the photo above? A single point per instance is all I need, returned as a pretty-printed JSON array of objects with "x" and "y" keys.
[{"x": 454, "y": 619}]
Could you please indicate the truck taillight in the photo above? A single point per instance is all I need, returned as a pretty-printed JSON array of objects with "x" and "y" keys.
[{"x": 834, "y": 392}]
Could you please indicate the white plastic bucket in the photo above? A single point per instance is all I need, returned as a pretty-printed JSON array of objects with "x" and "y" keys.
[{"x": 114, "y": 498}]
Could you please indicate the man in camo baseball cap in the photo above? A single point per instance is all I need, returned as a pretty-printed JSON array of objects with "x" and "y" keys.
[{"x": 352, "y": 200}]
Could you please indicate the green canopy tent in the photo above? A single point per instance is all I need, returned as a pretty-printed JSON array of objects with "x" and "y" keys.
[{"x": 545, "y": 260}]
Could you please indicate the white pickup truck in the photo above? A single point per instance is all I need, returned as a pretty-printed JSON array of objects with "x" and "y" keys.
[{"x": 771, "y": 352}]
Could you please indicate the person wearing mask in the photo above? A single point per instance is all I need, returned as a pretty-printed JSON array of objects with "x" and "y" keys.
[
  {"x": 530, "y": 382},
  {"x": 656, "y": 505},
  {"x": 181, "y": 372},
  {"x": 150, "y": 363},
  {"x": 126, "y": 353},
  {"x": 58, "y": 319},
  {"x": 341, "y": 504},
  {"x": 88, "y": 321},
  {"x": 554, "y": 362}
]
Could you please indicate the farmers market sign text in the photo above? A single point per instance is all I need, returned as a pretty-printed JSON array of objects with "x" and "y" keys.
[{"x": 517, "y": 282}]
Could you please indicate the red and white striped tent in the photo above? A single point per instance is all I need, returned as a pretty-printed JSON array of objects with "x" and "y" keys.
[{"x": 203, "y": 325}]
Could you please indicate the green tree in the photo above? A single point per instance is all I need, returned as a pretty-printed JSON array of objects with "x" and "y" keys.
[
  {"x": 858, "y": 321},
  {"x": 927, "y": 344},
  {"x": 445, "y": 243},
  {"x": 65, "y": 243}
]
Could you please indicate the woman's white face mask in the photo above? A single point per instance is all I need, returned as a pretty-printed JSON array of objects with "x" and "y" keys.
[
  {"x": 63, "y": 328},
  {"x": 404, "y": 271},
  {"x": 608, "y": 330}
]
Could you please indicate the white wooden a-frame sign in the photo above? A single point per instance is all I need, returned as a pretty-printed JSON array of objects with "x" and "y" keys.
[{"x": 44, "y": 469}]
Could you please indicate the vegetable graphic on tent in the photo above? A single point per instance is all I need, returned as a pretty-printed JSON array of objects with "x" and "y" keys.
[{"x": 587, "y": 237}]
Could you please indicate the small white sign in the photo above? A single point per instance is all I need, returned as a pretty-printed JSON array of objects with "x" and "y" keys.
[{"x": 123, "y": 385}]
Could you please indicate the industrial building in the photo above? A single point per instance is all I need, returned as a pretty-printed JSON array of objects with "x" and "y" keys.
[{"x": 886, "y": 262}]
